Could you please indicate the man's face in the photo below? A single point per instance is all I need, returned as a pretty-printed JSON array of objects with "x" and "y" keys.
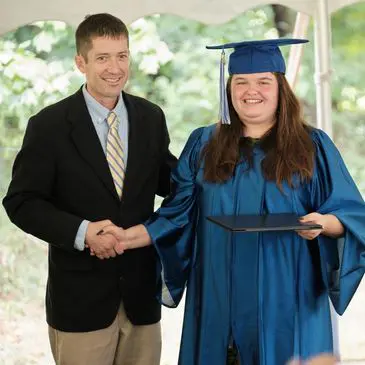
[{"x": 106, "y": 68}]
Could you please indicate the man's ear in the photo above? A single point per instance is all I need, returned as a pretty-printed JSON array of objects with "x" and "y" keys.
[{"x": 80, "y": 63}]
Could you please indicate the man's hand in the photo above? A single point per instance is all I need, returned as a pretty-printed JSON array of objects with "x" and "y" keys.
[{"x": 101, "y": 245}]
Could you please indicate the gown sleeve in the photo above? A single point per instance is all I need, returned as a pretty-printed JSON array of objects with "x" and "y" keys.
[
  {"x": 334, "y": 192},
  {"x": 172, "y": 227}
]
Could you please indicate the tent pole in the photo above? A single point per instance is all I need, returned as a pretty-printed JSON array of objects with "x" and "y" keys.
[
  {"x": 322, "y": 33},
  {"x": 295, "y": 55}
]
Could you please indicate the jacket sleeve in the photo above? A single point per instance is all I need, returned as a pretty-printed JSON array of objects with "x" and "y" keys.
[{"x": 28, "y": 201}]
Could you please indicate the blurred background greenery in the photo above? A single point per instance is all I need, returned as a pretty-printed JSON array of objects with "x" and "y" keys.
[{"x": 171, "y": 67}]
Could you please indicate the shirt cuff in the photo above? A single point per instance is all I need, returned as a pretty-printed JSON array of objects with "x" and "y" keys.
[{"x": 80, "y": 236}]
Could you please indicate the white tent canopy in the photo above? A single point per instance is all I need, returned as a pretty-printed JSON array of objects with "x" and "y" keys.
[{"x": 19, "y": 12}]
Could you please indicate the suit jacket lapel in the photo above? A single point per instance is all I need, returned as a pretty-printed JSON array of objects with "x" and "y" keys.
[{"x": 87, "y": 141}]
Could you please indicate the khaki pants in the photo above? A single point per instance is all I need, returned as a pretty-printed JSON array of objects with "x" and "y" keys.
[{"x": 121, "y": 343}]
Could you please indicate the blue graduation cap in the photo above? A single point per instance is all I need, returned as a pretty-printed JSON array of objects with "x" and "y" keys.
[{"x": 251, "y": 57}]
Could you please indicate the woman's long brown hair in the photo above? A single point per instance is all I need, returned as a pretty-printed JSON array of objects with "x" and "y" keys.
[{"x": 288, "y": 147}]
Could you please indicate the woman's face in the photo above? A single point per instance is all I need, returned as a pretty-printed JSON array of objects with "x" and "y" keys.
[{"x": 255, "y": 97}]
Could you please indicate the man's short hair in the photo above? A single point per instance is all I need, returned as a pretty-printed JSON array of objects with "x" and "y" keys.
[{"x": 98, "y": 25}]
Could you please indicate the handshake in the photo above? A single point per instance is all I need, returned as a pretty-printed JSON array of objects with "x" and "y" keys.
[{"x": 105, "y": 240}]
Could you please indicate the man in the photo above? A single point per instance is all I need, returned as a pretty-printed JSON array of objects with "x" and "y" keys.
[{"x": 96, "y": 157}]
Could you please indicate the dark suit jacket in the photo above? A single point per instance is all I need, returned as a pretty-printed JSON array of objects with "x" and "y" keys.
[{"x": 61, "y": 177}]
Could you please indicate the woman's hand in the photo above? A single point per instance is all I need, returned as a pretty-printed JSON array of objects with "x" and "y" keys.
[
  {"x": 316, "y": 218},
  {"x": 331, "y": 226},
  {"x": 133, "y": 237}
]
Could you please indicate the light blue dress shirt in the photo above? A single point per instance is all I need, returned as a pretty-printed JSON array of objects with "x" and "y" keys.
[{"x": 99, "y": 114}]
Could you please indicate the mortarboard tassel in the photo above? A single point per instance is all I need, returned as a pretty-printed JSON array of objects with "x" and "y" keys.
[{"x": 223, "y": 108}]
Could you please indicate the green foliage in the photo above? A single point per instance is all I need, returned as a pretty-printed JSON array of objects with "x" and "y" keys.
[
  {"x": 348, "y": 90},
  {"x": 23, "y": 262},
  {"x": 36, "y": 69}
]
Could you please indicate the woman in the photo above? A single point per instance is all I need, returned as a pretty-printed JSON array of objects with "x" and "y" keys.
[{"x": 267, "y": 293}]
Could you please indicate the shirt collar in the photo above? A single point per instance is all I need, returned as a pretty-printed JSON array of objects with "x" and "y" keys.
[{"x": 99, "y": 111}]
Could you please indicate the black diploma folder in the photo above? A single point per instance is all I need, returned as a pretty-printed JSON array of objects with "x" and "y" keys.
[{"x": 261, "y": 223}]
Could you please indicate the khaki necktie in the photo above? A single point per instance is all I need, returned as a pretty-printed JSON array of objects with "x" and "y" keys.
[{"x": 115, "y": 153}]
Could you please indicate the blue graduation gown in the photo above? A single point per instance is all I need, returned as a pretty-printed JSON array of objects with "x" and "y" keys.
[{"x": 266, "y": 291}]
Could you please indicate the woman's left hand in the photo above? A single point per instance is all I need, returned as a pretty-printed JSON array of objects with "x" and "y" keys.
[{"x": 316, "y": 218}]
